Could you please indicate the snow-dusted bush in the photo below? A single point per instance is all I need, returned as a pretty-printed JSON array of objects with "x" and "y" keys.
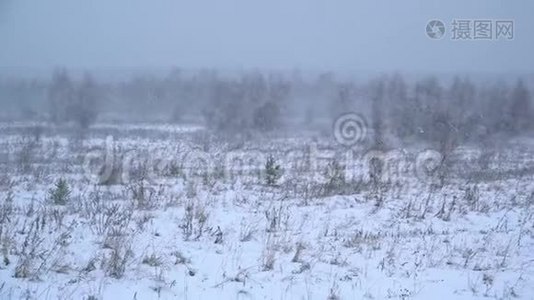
[
  {"x": 273, "y": 171},
  {"x": 60, "y": 193}
]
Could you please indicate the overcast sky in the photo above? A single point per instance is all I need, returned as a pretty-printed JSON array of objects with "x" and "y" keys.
[{"x": 308, "y": 34}]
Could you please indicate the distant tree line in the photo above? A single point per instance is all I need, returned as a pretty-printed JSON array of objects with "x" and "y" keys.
[
  {"x": 449, "y": 111},
  {"x": 252, "y": 102},
  {"x": 72, "y": 102},
  {"x": 431, "y": 111}
]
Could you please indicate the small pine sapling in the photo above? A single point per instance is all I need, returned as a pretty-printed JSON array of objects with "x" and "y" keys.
[
  {"x": 60, "y": 194},
  {"x": 272, "y": 171}
]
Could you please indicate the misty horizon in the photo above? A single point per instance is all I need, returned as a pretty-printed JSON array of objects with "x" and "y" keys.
[{"x": 367, "y": 36}]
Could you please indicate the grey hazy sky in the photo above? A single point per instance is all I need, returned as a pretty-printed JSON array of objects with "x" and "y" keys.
[{"x": 308, "y": 34}]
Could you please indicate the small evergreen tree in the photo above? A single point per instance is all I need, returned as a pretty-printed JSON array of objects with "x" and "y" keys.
[
  {"x": 272, "y": 171},
  {"x": 60, "y": 194}
]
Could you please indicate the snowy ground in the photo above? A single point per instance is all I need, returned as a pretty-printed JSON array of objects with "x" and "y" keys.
[{"x": 185, "y": 215}]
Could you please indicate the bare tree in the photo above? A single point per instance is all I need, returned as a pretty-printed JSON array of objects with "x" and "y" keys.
[
  {"x": 377, "y": 94},
  {"x": 83, "y": 110},
  {"x": 402, "y": 107},
  {"x": 60, "y": 94},
  {"x": 342, "y": 102},
  {"x": 267, "y": 116},
  {"x": 68, "y": 101},
  {"x": 462, "y": 107},
  {"x": 520, "y": 108}
]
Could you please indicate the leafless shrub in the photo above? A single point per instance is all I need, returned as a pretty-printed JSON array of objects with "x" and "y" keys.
[
  {"x": 191, "y": 190},
  {"x": 143, "y": 197},
  {"x": 6, "y": 183},
  {"x": 201, "y": 216},
  {"x": 468, "y": 254},
  {"x": 31, "y": 248},
  {"x": 335, "y": 178},
  {"x": 174, "y": 169},
  {"x": 299, "y": 248},
  {"x": 172, "y": 200},
  {"x": 472, "y": 197},
  {"x": 6, "y": 241},
  {"x": 363, "y": 238},
  {"x": 6, "y": 208},
  {"x": 218, "y": 236},
  {"x": 111, "y": 216},
  {"x": 37, "y": 256},
  {"x": 334, "y": 291},
  {"x": 299, "y": 187},
  {"x": 388, "y": 263},
  {"x": 304, "y": 266},
  {"x": 426, "y": 206},
  {"x": 7, "y": 234},
  {"x": 241, "y": 276},
  {"x": 114, "y": 235},
  {"x": 203, "y": 140},
  {"x": 187, "y": 222},
  {"x": 488, "y": 281},
  {"x": 407, "y": 210},
  {"x": 26, "y": 154},
  {"x": 91, "y": 265},
  {"x": 30, "y": 209},
  {"x": 142, "y": 219},
  {"x": 268, "y": 259},
  {"x": 276, "y": 218},
  {"x": 194, "y": 220},
  {"x": 104, "y": 215},
  {"x": 55, "y": 217},
  {"x": 247, "y": 232},
  {"x": 446, "y": 211},
  {"x": 139, "y": 169},
  {"x": 338, "y": 260},
  {"x": 180, "y": 258},
  {"x": 121, "y": 253},
  {"x": 153, "y": 260}
]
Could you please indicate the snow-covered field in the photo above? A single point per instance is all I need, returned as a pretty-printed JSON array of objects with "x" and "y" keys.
[{"x": 183, "y": 214}]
